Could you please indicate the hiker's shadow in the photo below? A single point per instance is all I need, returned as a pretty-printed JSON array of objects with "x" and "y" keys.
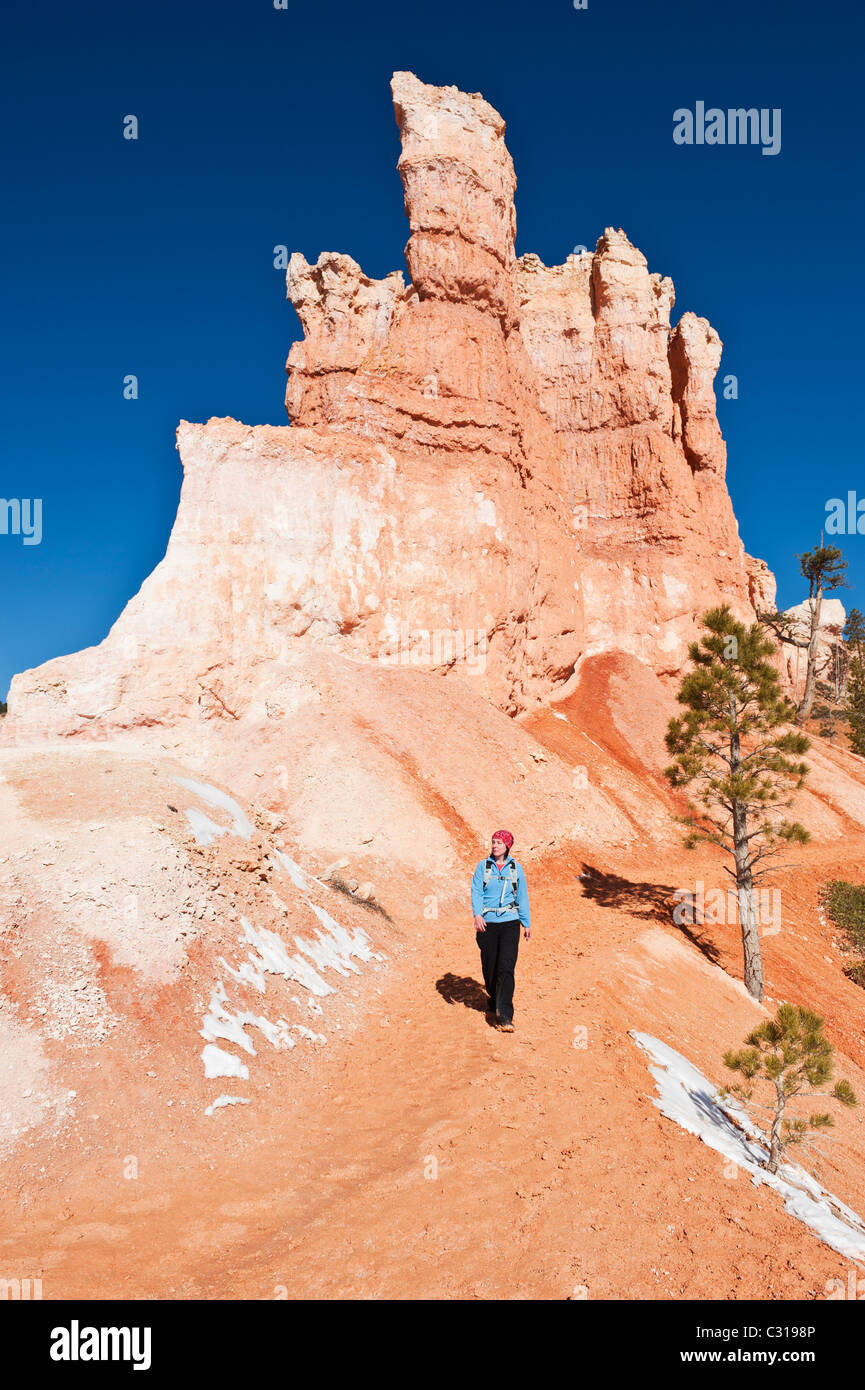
[{"x": 462, "y": 989}]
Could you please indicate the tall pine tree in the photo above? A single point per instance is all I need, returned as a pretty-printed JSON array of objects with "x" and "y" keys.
[{"x": 735, "y": 744}]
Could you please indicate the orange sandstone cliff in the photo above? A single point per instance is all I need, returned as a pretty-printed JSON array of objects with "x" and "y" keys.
[{"x": 493, "y": 471}]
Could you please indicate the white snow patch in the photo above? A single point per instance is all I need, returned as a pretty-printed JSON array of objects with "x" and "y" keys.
[
  {"x": 240, "y": 822},
  {"x": 333, "y": 948},
  {"x": 245, "y": 974},
  {"x": 277, "y": 1033},
  {"x": 299, "y": 877},
  {"x": 226, "y": 1100},
  {"x": 219, "y": 1063},
  {"x": 272, "y": 956},
  {"x": 338, "y": 950},
  {"x": 221, "y": 1023},
  {"x": 203, "y": 828},
  {"x": 684, "y": 1095},
  {"x": 305, "y": 1032}
]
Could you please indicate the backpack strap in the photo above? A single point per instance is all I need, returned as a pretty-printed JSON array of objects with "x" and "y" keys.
[{"x": 512, "y": 875}]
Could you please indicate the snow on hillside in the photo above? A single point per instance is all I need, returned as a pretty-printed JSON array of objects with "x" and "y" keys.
[
  {"x": 333, "y": 948},
  {"x": 685, "y": 1095}
]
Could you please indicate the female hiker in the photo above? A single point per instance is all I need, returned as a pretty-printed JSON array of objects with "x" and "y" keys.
[{"x": 500, "y": 904}]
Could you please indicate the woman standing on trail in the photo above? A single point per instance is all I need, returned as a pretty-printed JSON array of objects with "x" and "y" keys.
[{"x": 500, "y": 904}]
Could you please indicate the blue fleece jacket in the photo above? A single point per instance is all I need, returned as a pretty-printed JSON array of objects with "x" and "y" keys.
[{"x": 499, "y": 892}]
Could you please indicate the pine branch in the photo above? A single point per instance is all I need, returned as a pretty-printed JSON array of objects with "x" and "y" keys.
[{"x": 781, "y": 631}]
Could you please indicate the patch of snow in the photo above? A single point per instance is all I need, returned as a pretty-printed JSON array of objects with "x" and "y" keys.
[
  {"x": 203, "y": 828},
  {"x": 299, "y": 877},
  {"x": 337, "y": 950},
  {"x": 221, "y": 1023},
  {"x": 240, "y": 822},
  {"x": 685, "y": 1095},
  {"x": 245, "y": 974},
  {"x": 273, "y": 957},
  {"x": 219, "y": 1063},
  {"x": 277, "y": 1034},
  {"x": 305, "y": 1032},
  {"x": 334, "y": 948},
  {"x": 226, "y": 1100}
]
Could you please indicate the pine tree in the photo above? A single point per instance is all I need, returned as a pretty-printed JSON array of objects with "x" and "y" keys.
[
  {"x": 790, "y": 1053},
  {"x": 854, "y": 633},
  {"x": 856, "y": 705},
  {"x": 734, "y": 744},
  {"x": 824, "y": 567}
]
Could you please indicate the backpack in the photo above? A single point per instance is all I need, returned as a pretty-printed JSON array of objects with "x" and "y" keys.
[{"x": 512, "y": 875}]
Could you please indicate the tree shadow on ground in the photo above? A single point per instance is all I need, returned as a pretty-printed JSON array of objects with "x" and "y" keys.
[
  {"x": 462, "y": 989},
  {"x": 652, "y": 901}
]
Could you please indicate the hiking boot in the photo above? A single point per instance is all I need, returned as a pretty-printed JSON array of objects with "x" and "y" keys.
[{"x": 506, "y": 1027}]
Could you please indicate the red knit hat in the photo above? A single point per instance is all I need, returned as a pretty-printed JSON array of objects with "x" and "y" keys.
[{"x": 504, "y": 835}]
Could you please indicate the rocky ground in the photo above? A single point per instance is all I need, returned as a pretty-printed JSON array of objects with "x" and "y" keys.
[{"x": 402, "y": 1146}]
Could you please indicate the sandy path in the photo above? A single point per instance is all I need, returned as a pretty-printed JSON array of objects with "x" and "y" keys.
[{"x": 431, "y": 1156}]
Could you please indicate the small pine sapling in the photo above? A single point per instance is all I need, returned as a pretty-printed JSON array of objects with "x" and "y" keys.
[{"x": 792, "y": 1057}]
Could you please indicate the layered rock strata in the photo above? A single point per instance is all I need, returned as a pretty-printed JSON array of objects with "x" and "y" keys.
[{"x": 493, "y": 470}]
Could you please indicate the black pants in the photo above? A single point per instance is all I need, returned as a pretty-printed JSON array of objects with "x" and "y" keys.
[{"x": 499, "y": 944}]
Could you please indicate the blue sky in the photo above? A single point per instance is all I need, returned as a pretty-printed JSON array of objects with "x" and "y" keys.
[{"x": 261, "y": 127}]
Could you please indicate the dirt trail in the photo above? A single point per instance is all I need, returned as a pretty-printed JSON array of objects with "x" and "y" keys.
[{"x": 431, "y": 1156}]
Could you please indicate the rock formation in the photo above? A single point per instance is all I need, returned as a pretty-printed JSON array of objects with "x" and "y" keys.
[
  {"x": 829, "y": 641},
  {"x": 493, "y": 473}
]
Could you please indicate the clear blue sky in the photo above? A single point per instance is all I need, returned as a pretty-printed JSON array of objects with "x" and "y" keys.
[{"x": 261, "y": 127}]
